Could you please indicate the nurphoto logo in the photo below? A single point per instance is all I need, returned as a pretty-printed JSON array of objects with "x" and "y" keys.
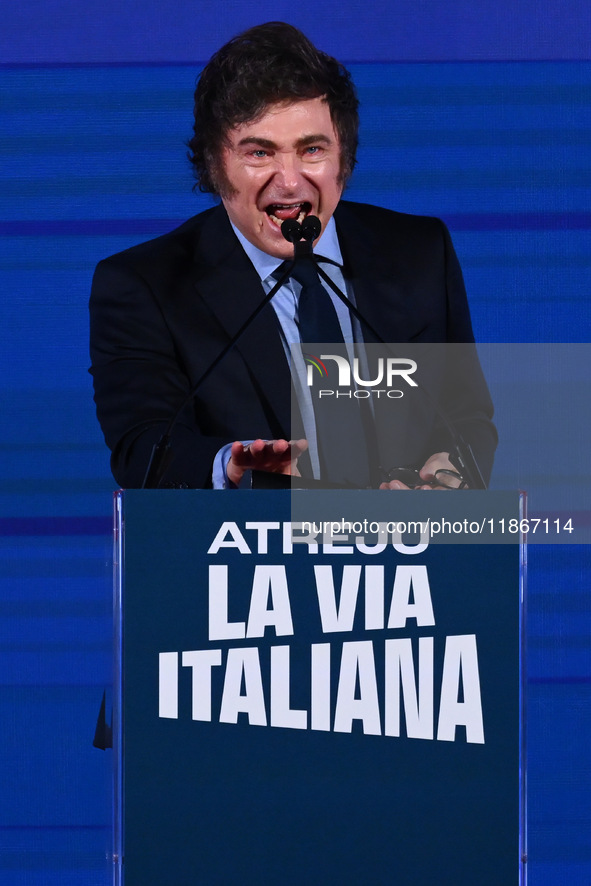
[{"x": 349, "y": 380}]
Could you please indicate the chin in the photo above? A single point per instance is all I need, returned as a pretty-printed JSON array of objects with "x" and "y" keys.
[
  {"x": 279, "y": 250},
  {"x": 274, "y": 243}
]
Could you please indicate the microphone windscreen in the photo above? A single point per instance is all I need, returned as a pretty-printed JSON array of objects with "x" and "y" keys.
[
  {"x": 291, "y": 230},
  {"x": 311, "y": 228}
]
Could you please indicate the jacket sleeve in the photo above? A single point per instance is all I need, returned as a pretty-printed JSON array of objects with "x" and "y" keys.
[{"x": 463, "y": 393}]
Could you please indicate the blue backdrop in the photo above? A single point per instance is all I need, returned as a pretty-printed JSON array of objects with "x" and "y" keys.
[{"x": 478, "y": 114}]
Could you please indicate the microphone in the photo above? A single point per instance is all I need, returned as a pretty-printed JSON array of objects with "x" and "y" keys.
[
  {"x": 301, "y": 235},
  {"x": 311, "y": 228},
  {"x": 291, "y": 230}
]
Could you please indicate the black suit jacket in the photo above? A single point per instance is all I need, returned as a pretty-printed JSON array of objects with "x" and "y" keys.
[{"x": 162, "y": 311}]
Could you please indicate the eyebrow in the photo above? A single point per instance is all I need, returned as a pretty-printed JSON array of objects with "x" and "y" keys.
[{"x": 300, "y": 143}]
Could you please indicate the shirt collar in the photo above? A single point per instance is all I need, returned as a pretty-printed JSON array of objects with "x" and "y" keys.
[{"x": 265, "y": 265}]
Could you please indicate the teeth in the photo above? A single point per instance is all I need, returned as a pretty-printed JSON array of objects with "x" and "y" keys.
[{"x": 279, "y": 221}]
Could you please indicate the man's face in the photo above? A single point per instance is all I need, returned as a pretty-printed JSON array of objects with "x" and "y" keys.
[{"x": 286, "y": 164}]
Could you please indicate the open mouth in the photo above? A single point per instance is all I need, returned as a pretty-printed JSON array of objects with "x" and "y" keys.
[{"x": 280, "y": 212}]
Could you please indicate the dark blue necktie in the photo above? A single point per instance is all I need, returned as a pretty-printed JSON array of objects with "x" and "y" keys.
[
  {"x": 317, "y": 317},
  {"x": 340, "y": 436}
]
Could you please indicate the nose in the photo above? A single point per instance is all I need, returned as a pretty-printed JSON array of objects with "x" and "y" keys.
[{"x": 288, "y": 172}]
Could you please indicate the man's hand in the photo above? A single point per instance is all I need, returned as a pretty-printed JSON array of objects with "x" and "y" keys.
[
  {"x": 438, "y": 462},
  {"x": 276, "y": 456}
]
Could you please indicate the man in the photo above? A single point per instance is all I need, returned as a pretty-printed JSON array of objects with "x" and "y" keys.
[{"x": 275, "y": 137}]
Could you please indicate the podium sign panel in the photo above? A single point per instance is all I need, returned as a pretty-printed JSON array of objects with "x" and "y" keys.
[{"x": 316, "y": 711}]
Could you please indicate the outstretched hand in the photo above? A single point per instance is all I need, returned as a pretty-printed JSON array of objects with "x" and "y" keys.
[{"x": 275, "y": 456}]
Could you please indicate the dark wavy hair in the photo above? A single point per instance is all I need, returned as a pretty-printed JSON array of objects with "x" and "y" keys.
[{"x": 265, "y": 65}]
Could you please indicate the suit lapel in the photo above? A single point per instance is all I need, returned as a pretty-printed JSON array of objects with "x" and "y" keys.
[
  {"x": 229, "y": 286},
  {"x": 373, "y": 276}
]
